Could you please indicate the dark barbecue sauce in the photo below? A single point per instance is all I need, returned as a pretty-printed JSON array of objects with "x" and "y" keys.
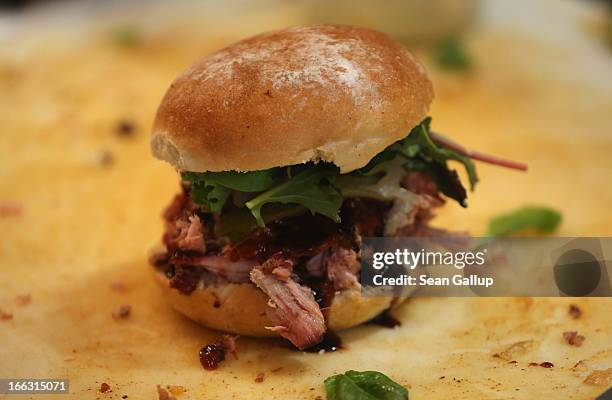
[
  {"x": 330, "y": 342},
  {"x": 180, "y": 267},
  {"x": 298, "y": 237},
  {"x": 324, "y": 293},
  {"x": 211, "y": 355},
  {"x": 366, "y": 215},
  {"x": 185, "y": 278},
  {"x": 306, "y": 235},
  {"x": 385, "y": 319}
]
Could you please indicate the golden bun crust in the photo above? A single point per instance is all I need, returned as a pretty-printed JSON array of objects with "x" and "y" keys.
[
  {"x": 241, "y": 308},
  {"x": 315, "y": 93}
]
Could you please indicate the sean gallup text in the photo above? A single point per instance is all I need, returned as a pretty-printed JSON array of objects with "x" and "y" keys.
[{"x": 423, "y": 280}]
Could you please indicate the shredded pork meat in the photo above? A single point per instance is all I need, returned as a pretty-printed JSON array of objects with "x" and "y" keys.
[
  {"x": 420, "y": 183},
  {"x": 343, "y": 268},
  {"x": 327, "y": 254},
  {"x": 292, "y": 307},
  {"x": 232, "y": 271},
  {"x": 190, "y": 235},
  {"x": 340, "y": 265}
]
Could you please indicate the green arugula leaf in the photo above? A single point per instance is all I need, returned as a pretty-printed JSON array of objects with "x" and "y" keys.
[
  {"x": 450, "y": 54},
  {"x": 386, "y": 155},
  {"x": 213, "y": 188},
  {"x": 419, "y": 143},
  {"x": 127, "y": 36},
  {"x": 311, "y": 188},
  {"x": 279, "y": 192},
  {"x": 366, "y": 385},
  {"x": 422, "y": 154},
  {"x": 211, "y": 195},
  {"x": 539, "y": 219},
  {"x": 355, "y": 185},
  {"x": 253, "y": 181}
]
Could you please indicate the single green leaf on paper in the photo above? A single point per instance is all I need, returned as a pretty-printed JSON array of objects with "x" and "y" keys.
[
  {"x": 451, "y": 55},
  {"x": 530, "y": 218},
  {"x": 127, "y": 36},
  {"x": 366, "y": 385}
]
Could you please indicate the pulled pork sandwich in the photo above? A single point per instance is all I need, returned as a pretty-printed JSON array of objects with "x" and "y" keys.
[{"x": 292, "y": 146}]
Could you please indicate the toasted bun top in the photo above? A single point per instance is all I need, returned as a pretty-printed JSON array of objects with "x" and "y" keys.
[{"x": 315, "y": 93}]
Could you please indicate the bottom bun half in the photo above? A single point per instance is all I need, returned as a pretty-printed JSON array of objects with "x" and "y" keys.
[{"x": 241, "y": 308}]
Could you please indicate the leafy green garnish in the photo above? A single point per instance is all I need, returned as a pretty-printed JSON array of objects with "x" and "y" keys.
[
  {"x": 263, "y": 196},
  {"x": 539, "y": 219},
  {"x": 127, "y": 36},
  {"x": 386, "y": 155},
  {"x": 311, "y": 188},
  {"x": 450, "y": 54},
  {"x": 422, "y": 154},
  {"x": 212, "y": 189},
  {"x": 356, "y": 185},
  {"x": 212, "y": 195},
  {"x": 419, "y": 144},
  {"x": 366, "y": 385},
  {"x": 309, "y": 185},
  {"x": 253, "y": 181}
]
